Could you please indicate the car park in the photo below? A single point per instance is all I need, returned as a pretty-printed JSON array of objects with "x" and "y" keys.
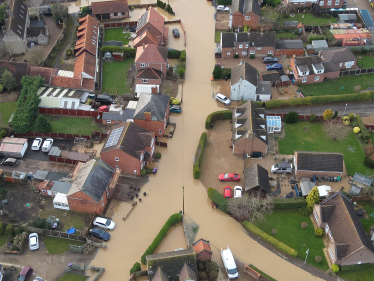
[
  {"x": 176, "y": 33},
  {"x": 12, "y": 162},
  {"x": 238, "y": 192},
  {"x": 274, "y": 66},
  {"x": 223, "y": 99},
  {"x": 36, "y": 144},
  {"x": 104, "y": 223},
  {"x": 222, "y": 8},
  {"x": 25, "y": 273},
  {"x": 33, "y": 241},
  {"x": 227, "y": 191},
  {"x": 47, "y": 145},
  {"x": 99, "y": 233},
  {"x": 175, "y": 109},
  {"x": 269, "y": 59},
  {"x": 104, "y": 108},
  {"x": 229, "y": 177}
]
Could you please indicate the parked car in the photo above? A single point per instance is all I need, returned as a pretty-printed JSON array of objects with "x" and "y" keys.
[
  {"x": 104, "y": 223},
  {"x": 227, "y": 191},
  {"x": 274, "y": 66},
  {"x": 99, "y": 233},
  {"x": 47, "y": 145},
  {"x": 25, "y": 273},
  {"x": 229, "y": 177},
  {"x": 36, "y": 144},
  {"x": 56, "y": 223},
  {"x": 175, "y": 109},
  {"x": 176, "y": 33},
  {"x": 229, "y": 263},
  {"x": 12, "y": 162},
  {"x": 222, "y": 8},
  {"x": 104, "y": 108},
  {"x": 238, "y": 192},
  {"x": 269, "y": 59},
  {"x": 37, "y": 279},
  {"x": 282, "y": 168},
  {"x": 104, "y": 99},
  {"x": 223, "y": 99},
  {"x": 33, "y": 241}
]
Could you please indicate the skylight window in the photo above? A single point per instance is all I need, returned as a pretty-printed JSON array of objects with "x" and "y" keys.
[
  {"x": 20, "y": 26},
  {"x": 95, "y": 27},
  {"x": 19, "y": 31}
]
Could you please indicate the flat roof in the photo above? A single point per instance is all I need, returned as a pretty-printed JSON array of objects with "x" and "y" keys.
[{"x": 55, "y": 92}]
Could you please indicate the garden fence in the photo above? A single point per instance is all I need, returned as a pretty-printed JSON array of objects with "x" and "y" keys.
[
  {"x": 68, "y": 112},
  {"x": 64, "y": 235},
  {"x": 94, "y": 134},
  {"x": 356, "y": 72}
]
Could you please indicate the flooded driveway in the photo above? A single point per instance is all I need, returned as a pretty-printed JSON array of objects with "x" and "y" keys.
[{"x": 165, "y": 190}]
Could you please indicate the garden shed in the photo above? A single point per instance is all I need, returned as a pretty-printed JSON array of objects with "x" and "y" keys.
[
  {"x": 274, "y": 124},
  {"x": 13, "y": 147}
]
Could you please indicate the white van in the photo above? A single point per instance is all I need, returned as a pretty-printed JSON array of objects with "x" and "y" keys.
[
  {"x": 282, "y": 168},
  {"x": 229, "y": 263}
]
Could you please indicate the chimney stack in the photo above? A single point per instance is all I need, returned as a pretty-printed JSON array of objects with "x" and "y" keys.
[{"x": 148, "y": 116}]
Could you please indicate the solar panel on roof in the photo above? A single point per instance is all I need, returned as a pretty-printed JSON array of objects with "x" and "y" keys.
[{"x": 114, "y": 137}]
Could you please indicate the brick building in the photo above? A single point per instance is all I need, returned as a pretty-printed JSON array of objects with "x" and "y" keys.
[
  {"x": 245, "y": 12},
  {"x": 308, "y": 70},
  {"x": 128, "y": 148},
  {"x": 249, "y": 131},
  {"x": 110, "y": 10},
  {"x": 202, "y": 250},
  {"x": 146, "y": 38},
  {"x": 153, "y": 22},
  {"x": 244, "y": 44},
  {"x": 322, "y": 4},
  {"x": 152, "y": 113}
]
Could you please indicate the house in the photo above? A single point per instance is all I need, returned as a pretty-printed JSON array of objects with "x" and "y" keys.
[
  {"x": 348, "y": 243},
  {"x": 290, "y": 47},
  {"x": 37, "y": 35},
  {"x": 128, "y": 148},
  {"x": 110, "y": 10},
  {"x": 65, "y": 98},
  {"x": 256, "y": 179},
  {"x": 347, "y": 18},
  {"x": 146, "y": 38},
  {"x": 91, "y": 188},
  {"x": 307, "y": 70},
  {"x": 178, "y": 265},
  {"x": 322, "y": 4},
  {"x": 153, "y": 22},
  {"x": 245, "y": 12},
  {"x": 246, "y": 84},
  {"x": 152, "y": 113},
  {"x": 16, "y": 27},
  {"x": 13, "y": 147},
  {"x": 18, "y": 69},
  {"x": 249, "y": 132},
  {"x": 338, "y": 59},
  {"x": 245, "y": 44},
  {"x": 309, "y": 163},
  {"x": 113, "y": 118},
  {"x": 44, "y": 72},
  {"x": 153, "y": 57},
  {"x": 202, "y": 250}
]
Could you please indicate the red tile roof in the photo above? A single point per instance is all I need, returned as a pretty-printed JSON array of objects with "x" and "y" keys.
[
  {"x": 66, "y": 82},
  {"x": 201, "y": 245},
  {"x": 148, "y": 73},
  {"x": 109, "y": 7},
  {"x": 88, "y": 84},
  {"x": 146, "y": 37},
  {"x": 153, "y": 17},
  {"x": 87, "y": 34},
  {"x": 44, "y": 72},
  {"x": 85, "y": 62},
  {"x": 151, "y": 54}
]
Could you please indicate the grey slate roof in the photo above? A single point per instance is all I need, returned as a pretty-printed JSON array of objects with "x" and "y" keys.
[
  {"x": 18, "y": 21},
  {"x": 244, "y": 71},
  {"x": 245, "y": 6},
  {"x": 344, "y": 17},
  {"x": 271, "y": 77},
  {"x": 253, "y": 39},
  {"x": 123, "y": 116},
  {"x": 320, "y": 44},
  {"x": 305, "y": 63},
  {"x": 330, "y": 66},
  {"x": 36, "y": 31},
  {"x": 40, "y": 175},
  {"x": 55, "y": 176},
  {"x": 263, "y": 88},
  {"x": 289, "y": 44},
  {"x": 256, "y": 176},
  {"x": 61, "y": 187},
  {"x": 92, "y": 179},
  {"x": 156, "y": 104},
  {"x": 338, "y": 55},
  {"x": 319, "y": 161}
]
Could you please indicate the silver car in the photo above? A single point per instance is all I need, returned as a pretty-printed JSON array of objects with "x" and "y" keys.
[{"x": 223, "y": 99}]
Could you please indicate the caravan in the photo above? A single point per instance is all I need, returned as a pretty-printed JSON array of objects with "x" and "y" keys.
[{"x": 229, "y": 263}]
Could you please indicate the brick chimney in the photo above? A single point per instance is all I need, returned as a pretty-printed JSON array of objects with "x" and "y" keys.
[
  {"x": 148, "y": 116},
  {"x": 154, "y": 90}
]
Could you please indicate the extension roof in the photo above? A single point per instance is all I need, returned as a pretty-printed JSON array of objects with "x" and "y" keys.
[
  {"x": 93, "y": 178},
  {"x": 289, "y": 44},
  {"x": 245, "y": 71},
  {"x": 151, "y": 54},
  {"x": 148, "y": 73},
  {"x": 305, "y": 64},
  {"x": 256, "y": 176},
  {"x": 246, "y": 6},
  {"x": 156, "y": 104},
  {"x": 107, "y": 7},
  {"x": 153, "y": 17},
  {"x": 87, "y": 34},
  {"x": 338, "y": 55},
  {"x": 122, "y": 116},
  {"x": 36, "y": 31},
  {"x": 146, "y": 36},
  {"x": 17, "y": 20},
  {"x": 319, "y": 161},
  {"x": 253, "y": 39},
  {"x": 44, "y": 72}
]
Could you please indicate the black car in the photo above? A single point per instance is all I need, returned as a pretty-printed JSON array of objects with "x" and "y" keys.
[
  {"x": 269, "y": 59},
  {"x": 176, "y": 33},
  {"x": 10, "y": 162},
  {"x": 99, "y": 233},
  {"x": 104, "y": 99}
]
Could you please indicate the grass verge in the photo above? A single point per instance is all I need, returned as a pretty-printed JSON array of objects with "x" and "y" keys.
[
  {"x": 3, "y": 239},
  {"x": 217, "y": 36},
  {"x": 56, "y": 246},
  {"x": 262, "y": 273},
  {"x": 309, "y": 19},
  {"x": 116, "y": 34},
  {"x": 72, "y": 277},
  {"x": 362, "y": 275},
  {"x": 365, "y": 62},
  {"x": 6, "y": 110},
  {"x": 115, "y": 76}
]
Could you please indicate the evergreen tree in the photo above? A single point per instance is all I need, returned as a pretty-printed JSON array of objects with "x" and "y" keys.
[
  {"x": 8, "y": 81},
  {"x": 43, "y": 125}
]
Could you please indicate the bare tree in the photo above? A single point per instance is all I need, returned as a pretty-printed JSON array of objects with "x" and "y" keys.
[
  {"x": 35, "y": 56},
  {"x": 336, "y": 130},
  {"x": 252, "y": 207},
  {"x": 35, "y": 4},
  {"x": 269, "y": 16}
]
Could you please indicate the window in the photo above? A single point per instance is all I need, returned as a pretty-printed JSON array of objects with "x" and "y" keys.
[
  {"x": 252, "y": 52},
  {"x": 247, "y": 17},
  {"x": 147, "y": 64},
  {"x": 304, "y": 80},
  {"x": 337, "y": 2},
  {"x": 115, "y": 14},
  {"x": 246, "y": 45},
  {"x": 144, "y": 80},
  {"x": 316, "y": 217},
  {"x": 295, "y": 3},
  {"x": 159, "y": 131},
  {"x": 240, "y": 46},
  {"x": 142, "y": 65},
  {"x": 270, "y": 52},
  {"x": 167, "y": 66},
  {"x": 330, "y": 234},
  {"x": 116, "y": 158},
  {"x": 117, "y": 167},
  {"x": 316, "y": 78},
  {"x": 244, "y": 53},
  {"x": 327, "y": 228},
  {"x": 331, "y": 254},
  {"x": 341, "y": 64},
  {"x": 108, "y": 121},
  {"x": 329, "y": 3},
  {"x": 141, "y": 157},
  {"x": 228, "y": 53},
  {"x": 258, "y": 48}
]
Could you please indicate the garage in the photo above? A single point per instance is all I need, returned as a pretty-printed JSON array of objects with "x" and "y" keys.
[{"x": 13, "y": 147}]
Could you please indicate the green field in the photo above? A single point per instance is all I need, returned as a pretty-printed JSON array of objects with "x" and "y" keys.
[
  {"x": 70, "y": 125},
  {"x": 116, "y": 34},
  {"x": 72, "y": 277},
  {"x": 56, "y": 246},
  {"x": 308, "y": 19},
  {"x": 365, "y": 62},
  {"x": 115, "y": 77},
  {"x": 288, "y": 226},
  {"x": 217, "y": 36},
  {"x": 305, "y": 136},
  {"x": 6, "y": 110}
]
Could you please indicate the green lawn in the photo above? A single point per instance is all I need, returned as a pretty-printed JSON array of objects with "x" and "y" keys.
[
  {"x": 72, "y": 219},
  {"x": 285, "y": 35},
  {"x": 308, "y": 19},
  {"x": 115, "y": 77},
  {"x": 288, "y": 226},
  {"x": 367, "y": 223},
  {"x": 116, "y": 34},
  {"x": 366, "y": 62},
  {"x": 6, "y": 110},
  {"x": 3, "y": 239},
  {"x": 56, "y": 246},
  {"x": 305, "y": 136},
  {"x": 72, "y": 277},
  {"x": 70, "y": 125},
  {"x": 217, "y": 36},
  {"x": 362, "y": 275},
  {"x": 338, "y": 87}
]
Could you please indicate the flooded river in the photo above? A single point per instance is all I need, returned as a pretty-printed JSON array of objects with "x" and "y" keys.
[{"x": 131, "y": 238}]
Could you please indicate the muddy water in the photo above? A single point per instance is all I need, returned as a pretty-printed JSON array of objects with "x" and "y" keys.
[{"x": 165, "y": 194}]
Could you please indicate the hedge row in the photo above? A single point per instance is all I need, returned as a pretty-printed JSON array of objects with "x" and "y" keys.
[
  {"x": 223, "y": 2},
  {"x": 174, "y": 54},
  {"x": 312, "y": 100},
  {"x": 126, "y": 51},
  {"x": 290, "y": 203},
  {"x": 365, "y": 133},
  {"x": 135, "y": 268},
  {"x": 355, "y": 267},
  {"x": 315, "y": 37},
  {"x": 276, "y": 243},
  {"x": 218, "y": 198},
  {"x": 174, "y": 219},
  {"x": 218, "y": 115},
  {"x": 199, "y": 155}
]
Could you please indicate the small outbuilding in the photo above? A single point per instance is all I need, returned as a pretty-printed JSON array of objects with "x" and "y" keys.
[
  {"x": 256, "y": 179},
  {"x": 13, "y": 147},
  {"x": 274, "y": 124},
  {"x": 202, "y": 250},
  {"x": 60, "y": 201},
  {"x": 61, "y": 97},
  {"x": 347, "y": 18}
]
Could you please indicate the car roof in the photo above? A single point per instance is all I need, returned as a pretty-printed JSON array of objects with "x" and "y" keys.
[
  {"x": 25, "y": 269},
  {"x": 11, "y": 160},
  {"x": 100, "y": 219}
]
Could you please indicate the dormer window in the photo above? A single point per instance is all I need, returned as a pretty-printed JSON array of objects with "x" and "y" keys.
[
  {"x": 262, "y": 116},
  {"x": 263, "y": 137},
  {"x": 303, "y": 73}
]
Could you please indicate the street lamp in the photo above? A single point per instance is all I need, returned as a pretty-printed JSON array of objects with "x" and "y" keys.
[{"x": 307, "y": 252}]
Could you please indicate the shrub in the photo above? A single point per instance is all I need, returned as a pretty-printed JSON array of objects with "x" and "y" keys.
[
  {"x": 218, "y": 115},
  {"x": 327, "y": 115},
  {"x": 218, "y": 199},
  {"x": 346, "y": 120},
  {"x": 351, "y": 116},
  {"x": 226, "y": 72},
  {"x": 312, "y": 117},
  {"x": 245, "y": 28},
  {"x": 43, "y": 125},
  {"x": 335, "y": 268},
  {"x": 315, "y": 37},
  {"x": 354, "y": 123},
  {"x": 356, "y": 130},
  {"x": 289, "y": 203},
  {"x": 335, "y": 114},
  {"x": 252, "y": 56},
  {"x": 304, "y": 211},
  {"x": 181, "y": 71},
  {"x": 359, "y": 136},
  {"x": 148, "y": 171},
  {"x": 304, "y": 225},
  {"x": 319, "y": 232},
  {"x": 136, "y": 267},
  {"x": 355, "y": 267},
  {"x": 223, "y": 2},
  {"x": 174, "y": 54},
  {"x": 276, "y": 243},
  {"x": 173, "y": 219},
  {"x": 157, "y": 155},
  {"x": 217, "y": 72},
  {"x": 2, "y": 228},
  {"x": 313, "y": 197},
  {"x": 85, "y": 11},
  {"x": 17, "y": 230},
  {"x": 1, "y": 88},
  {"x": 291, "y": 117},
  {"x": 199, "y": 155},
  {"x": 318, "y": 259},
  {"x": 369, "y": 162},
  {"x": 143, "y": 172},
  {"x": 236, "y": 56},
  {"x": 3, "y": 133},
  {"x": 41, "y": 223},
  {"x": 365, "y": 133},
  {"x": 9, "y": 230},
  {"x": 183, "y": 56}
]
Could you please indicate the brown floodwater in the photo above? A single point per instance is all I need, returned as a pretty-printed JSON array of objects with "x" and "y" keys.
[{"x": 165, "y": 190}]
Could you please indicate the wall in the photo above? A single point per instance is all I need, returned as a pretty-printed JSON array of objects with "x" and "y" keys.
[
  {"x": 126, "y": 163},
  {"x": 150, "y": 81},
  {"x": 119, "y": 15},
  {"x": 81, "y": 202},
  {"x": 311, "y": 173},
  {"x": 152, "y": 126},
  {"x": 243, "y": 90},
  {"x": 68, "y": 112}
]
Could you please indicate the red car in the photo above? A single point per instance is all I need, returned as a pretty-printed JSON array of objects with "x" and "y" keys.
[
  {"x": 229, "y": 177},
  {"x": 227, "y": 191},
  {"x": 104, "y": 108}
]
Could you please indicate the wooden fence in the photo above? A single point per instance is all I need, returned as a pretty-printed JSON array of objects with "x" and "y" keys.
[
  {"x": 119, "y": 24},
  {"x": 65, "y": 160},
  {"x": 60, "y": 135},
  {"x": 68, "y": 112},
  {"x": 356, "y": 72},
  {"x": 362, "y": 198},
  {"x": 64, "y": 235}
]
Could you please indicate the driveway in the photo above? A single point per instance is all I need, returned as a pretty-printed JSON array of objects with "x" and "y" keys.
[
  {"x": 256, "y": 62},
  {"x": 43, "y": 156}
]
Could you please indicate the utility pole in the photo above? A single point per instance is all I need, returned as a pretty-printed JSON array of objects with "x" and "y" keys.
[{"x": 307, "y": 252}]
